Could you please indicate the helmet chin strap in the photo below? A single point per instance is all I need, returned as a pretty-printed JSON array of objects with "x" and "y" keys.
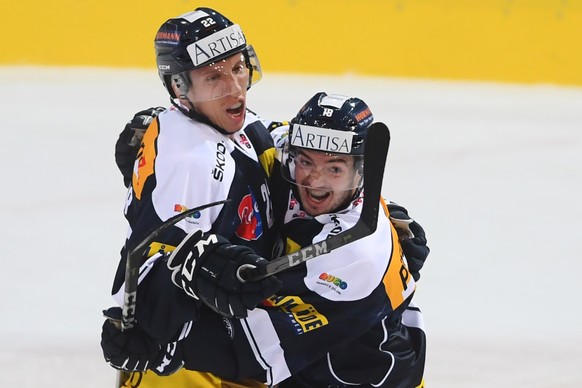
[{"x": 194, "y": 115}]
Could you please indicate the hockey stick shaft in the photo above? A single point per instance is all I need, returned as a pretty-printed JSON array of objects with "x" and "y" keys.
[
  {"x": 134, "y": 259},
  {"x": 375, "y": 154}
]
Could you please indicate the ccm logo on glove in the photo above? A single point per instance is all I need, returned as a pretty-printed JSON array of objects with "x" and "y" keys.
[{"x": 190, "y": 265}]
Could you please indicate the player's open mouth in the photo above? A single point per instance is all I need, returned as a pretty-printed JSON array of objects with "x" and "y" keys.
[
  {"x": 317, "y": 195},
  {"x": 236, "y": 109}
]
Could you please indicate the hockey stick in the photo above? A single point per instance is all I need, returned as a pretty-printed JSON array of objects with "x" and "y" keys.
[
  {"x": 375, "y": 154},
  {"x": 133, "y": 263}
]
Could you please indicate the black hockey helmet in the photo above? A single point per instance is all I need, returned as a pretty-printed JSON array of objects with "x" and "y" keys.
[
  {"x": 345, "y": 121},
  {"x": 331, "y": 124},
  {"x": 196, "y": 39}
]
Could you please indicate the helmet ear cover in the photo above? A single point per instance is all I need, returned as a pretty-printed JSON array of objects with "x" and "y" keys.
[{"x": 182, "y": 82}]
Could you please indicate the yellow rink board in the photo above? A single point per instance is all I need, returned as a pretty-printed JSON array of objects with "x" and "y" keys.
[{"x": 510, "y": 41}]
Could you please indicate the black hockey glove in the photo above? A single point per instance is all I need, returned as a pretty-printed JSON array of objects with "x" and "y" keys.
[
  {"x": 412, "y": 238},
  {"x": 205, "y": 266},
  {"x": 133, "y": 351},
  {"x": 129, "y": 141}
]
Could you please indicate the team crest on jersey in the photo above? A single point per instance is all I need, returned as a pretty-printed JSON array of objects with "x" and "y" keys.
[
  {"x": 251, "y": 226},
  {"x": 293, "y": 203},
  {"x": 245, "y": 141},
  {"x": 295, "y": 210}
]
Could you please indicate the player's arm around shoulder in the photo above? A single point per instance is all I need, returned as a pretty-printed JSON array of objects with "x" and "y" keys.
[
  {"x": 279, "y": 132},
  {"x": 256, "y": 130}
]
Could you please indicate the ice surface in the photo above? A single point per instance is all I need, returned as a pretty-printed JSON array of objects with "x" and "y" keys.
[{"x": 493, "y": 172}]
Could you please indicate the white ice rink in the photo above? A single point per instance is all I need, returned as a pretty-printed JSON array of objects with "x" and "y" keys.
[{"x": 493, "y": 172}]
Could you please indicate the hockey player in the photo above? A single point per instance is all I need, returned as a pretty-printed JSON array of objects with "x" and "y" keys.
[
  {"x": 206, "y": 147},
  {"x": 337, "y": 320},
  {"x": 349, "y": 283}
]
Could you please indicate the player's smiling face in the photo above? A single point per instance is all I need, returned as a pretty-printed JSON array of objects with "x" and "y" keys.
[
  {"x": 324, "y": 181},
  {"x": 219, "y": 90}
]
